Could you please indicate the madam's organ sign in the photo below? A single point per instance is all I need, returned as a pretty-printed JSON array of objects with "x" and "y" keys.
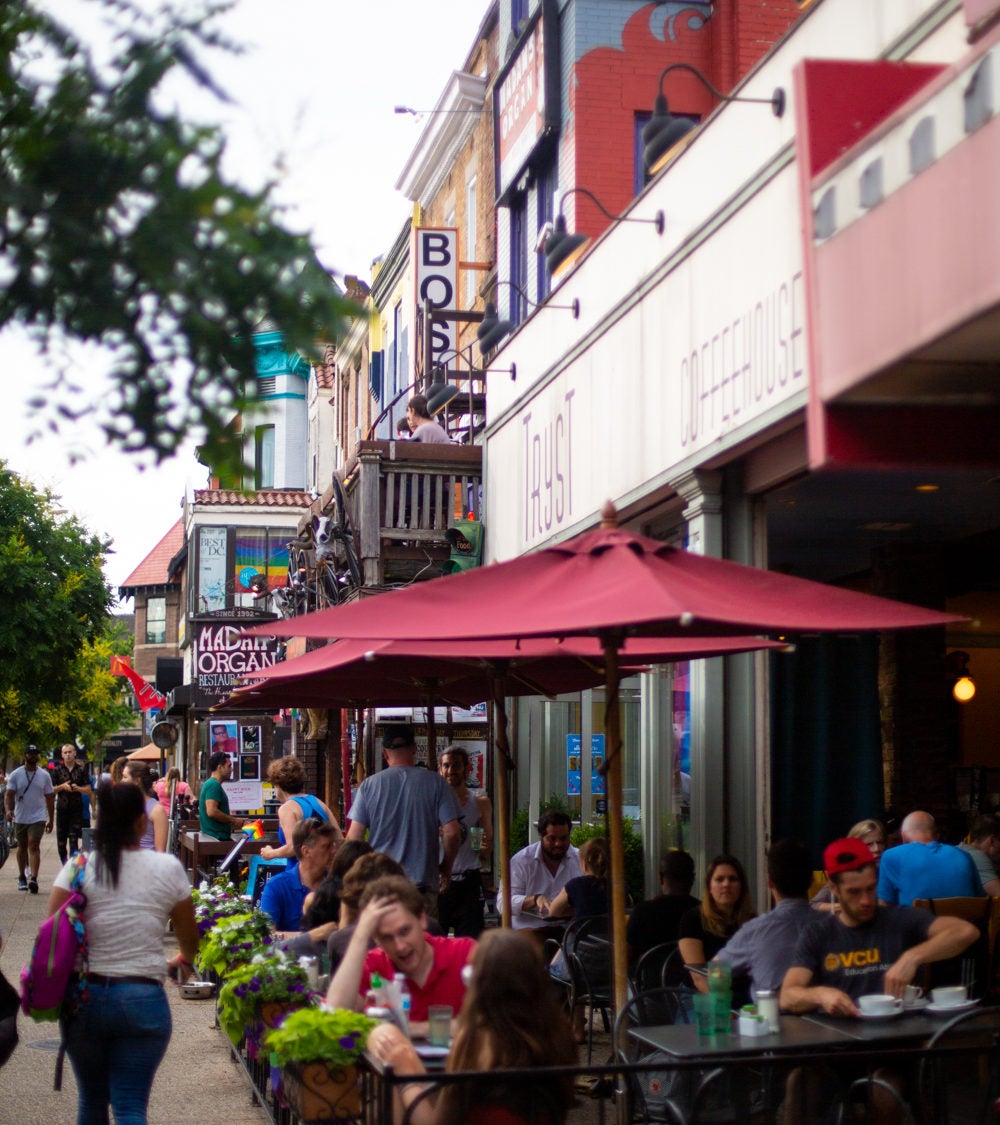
[{"x": 222, "y": 654}]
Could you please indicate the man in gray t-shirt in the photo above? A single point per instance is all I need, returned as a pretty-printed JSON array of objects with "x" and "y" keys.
[
  {"x": 984, "y": 849},
  {"x": 29, "y": 799},
  {"x": 402, "y": 807}
]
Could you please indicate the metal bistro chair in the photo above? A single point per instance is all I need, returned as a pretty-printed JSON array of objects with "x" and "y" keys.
[
  {"x": 587, "y": 950},
  {"x": 977, "y": 967},
  {"x": 659, "y": 1096},
  {"x": 650, "y": 969},
  {"x": 964, "y": 1087}
]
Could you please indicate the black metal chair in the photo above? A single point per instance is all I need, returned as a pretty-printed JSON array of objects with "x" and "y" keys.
[
  {"x": 963, "y": 1087},
  {"x": 653, "y": 1095},
  {"x": 650, "y": 968},
  {"x": 586, "y": 955}
]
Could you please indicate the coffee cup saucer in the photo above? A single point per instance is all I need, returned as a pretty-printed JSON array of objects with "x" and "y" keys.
[
  {"x": 917, "y": 1005},
  {"x": 947, "y": 1009},
  {"x": 891, "y": 1015}
]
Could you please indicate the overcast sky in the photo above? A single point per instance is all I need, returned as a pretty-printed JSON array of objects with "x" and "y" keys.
[{"x": 314, "y": 96}]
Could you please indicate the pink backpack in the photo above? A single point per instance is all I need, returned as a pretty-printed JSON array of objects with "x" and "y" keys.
[{"x": 60, "y": 950}]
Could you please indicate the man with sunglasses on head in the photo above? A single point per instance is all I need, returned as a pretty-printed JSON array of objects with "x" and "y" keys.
[{"x": 315, "y": 843}]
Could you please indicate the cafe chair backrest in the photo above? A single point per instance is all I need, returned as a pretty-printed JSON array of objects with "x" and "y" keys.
[
  {"x": 978, "y": 1033},
  {"x": 654, "y": 1095},
  {"x": 651, "y": 967},
  {"x": 977, "y": 967}
]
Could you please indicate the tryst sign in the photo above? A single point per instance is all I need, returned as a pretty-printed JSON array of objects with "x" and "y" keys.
[{"x": 435, "y": 257}]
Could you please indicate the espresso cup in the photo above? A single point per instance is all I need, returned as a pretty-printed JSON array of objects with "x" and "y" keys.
[
  {"x": 950, "y": 996},
  {"x": 879, "y": 1005},
  {"x": 912, "y": 994}
]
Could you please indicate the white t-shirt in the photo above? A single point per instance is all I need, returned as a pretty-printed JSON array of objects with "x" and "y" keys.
[
  {"x": 125, "y": 924},
  {"x": 30, "y": 788}
]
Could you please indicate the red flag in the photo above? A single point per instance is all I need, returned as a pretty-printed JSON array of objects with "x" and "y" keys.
[{"x": 148, "y": 697}]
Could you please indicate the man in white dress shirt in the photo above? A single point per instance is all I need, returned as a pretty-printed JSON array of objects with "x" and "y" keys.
[{"x": 539, "y": 872}]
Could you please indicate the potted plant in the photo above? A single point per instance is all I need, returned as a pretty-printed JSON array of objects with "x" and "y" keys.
[
  {"x": 261, "y": 992},
  {"x": 316, "y": 1050},
  {"x": 233, "y": 941},
  {"x": 215, "y": 901}
]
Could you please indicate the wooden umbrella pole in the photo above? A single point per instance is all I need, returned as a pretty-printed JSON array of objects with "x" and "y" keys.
[
  {"x": 432, "y": 761},
  {"x": 616, "y": 836},
  {"x": 497, "y": 680}
]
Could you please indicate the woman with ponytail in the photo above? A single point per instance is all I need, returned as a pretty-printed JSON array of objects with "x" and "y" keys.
[{"x": 119, "y": 1033}]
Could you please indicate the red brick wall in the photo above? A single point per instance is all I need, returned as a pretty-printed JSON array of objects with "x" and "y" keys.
[{"x": 610, "y": 86}]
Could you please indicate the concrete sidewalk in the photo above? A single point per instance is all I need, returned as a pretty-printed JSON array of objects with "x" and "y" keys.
[{"x": 197, "y": 1083}]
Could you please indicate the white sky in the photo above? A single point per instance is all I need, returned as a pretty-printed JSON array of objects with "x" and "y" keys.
[{"x": 314, "y": 95}]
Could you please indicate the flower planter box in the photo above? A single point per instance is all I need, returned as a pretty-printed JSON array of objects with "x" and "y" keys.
[{"x": 319, "y": 1091}]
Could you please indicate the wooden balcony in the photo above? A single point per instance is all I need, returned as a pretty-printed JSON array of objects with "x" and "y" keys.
[{"x": 400, "y": 498}]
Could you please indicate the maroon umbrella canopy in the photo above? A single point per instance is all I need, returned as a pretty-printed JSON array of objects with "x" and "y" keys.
[
  {"x": 609, "y": 583},
  {"x": 458, "y": 672},
  {"x": 606, "y": 580}
]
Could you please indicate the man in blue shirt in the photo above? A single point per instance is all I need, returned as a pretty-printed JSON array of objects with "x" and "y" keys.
[
  {"x": 762, "y": 948},
  {"x": 923, "y": 867},
  {"x": 315, "y": 843}
]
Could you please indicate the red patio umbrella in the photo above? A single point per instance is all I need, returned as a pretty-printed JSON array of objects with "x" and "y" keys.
[
  {"x": 610, "y": 583},
  {"x": 348, "y": 673}
]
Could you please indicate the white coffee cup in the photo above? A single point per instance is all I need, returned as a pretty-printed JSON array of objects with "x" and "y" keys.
[
  {"x": 880, "y": 1004},
  {"x": 912, "y": 994},
  {"x": 949, "y": 997}
]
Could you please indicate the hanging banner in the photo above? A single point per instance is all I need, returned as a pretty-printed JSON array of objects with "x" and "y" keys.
[{"x": 148, "y": 698}]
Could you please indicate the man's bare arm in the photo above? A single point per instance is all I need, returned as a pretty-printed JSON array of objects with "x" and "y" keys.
[{"x": 799, "y": 995}]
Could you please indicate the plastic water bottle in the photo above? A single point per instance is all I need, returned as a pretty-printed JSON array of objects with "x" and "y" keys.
[{"x": 404, "y": 1001}]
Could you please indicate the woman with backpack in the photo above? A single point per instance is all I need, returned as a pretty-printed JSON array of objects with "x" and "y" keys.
[
  {"x": 120, "y": 1030},
  {"x": 288, "y": 776}
]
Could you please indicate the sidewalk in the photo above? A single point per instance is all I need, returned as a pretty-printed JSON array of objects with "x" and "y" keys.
[{"x": 197, "y": 1083}]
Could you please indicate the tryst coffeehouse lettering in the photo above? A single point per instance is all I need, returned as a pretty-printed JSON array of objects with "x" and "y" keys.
[{"x": 222, "y": 654}]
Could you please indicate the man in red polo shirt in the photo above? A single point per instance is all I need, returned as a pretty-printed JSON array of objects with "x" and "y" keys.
[{"x": 392, "y": 915}]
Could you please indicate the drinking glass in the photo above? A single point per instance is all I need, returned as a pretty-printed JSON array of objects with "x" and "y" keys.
[{"x": 439, "y": 1020}]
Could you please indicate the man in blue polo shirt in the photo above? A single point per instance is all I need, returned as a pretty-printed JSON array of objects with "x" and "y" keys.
[
  {"x": 923, "y": 867},
  {"x": 315, "y": 843}
]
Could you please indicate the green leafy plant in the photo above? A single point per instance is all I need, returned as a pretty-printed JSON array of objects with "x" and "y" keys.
[
  {"x": 335, "y": 1036},
  {"x": 634, "y": 855},
  {"x": 273, "y": 976},
  {"x": 233, "y": 941}
]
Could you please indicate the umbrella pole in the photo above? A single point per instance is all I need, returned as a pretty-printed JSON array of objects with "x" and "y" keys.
[
  {"x": 432, "y": 760},
  {"x": 502, "y": 817},
  {"x": 616, "y": 838}
]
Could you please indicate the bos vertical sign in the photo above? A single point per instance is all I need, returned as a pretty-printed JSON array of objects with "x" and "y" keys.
[{"x": 435, "y": 255}]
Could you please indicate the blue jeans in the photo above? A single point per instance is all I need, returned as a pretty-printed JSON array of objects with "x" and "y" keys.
[{"x": 115, "y": 1043}]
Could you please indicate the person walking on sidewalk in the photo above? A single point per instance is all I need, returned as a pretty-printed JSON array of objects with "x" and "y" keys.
[
  {"x": 71, "y": 780},
  {"x": 119, "y": 1034},
  {"x": 29, "y": 798},
  {"x": 460, "y": 907}
]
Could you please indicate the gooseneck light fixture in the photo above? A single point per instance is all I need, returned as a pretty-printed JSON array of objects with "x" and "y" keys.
[
  {"x": 562, "y": 248},
  {"x": 440, "y": 393},
  {"x": 492, "y": 329},
  {"x": 664, "y": 130}
]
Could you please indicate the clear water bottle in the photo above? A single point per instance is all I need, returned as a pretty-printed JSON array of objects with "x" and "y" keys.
[{"x": 404, "y": 1002}]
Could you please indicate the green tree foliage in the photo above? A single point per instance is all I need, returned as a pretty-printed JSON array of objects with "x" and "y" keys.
[
  {"x": 117, "y": 227},
  {"x": 53, "y": 629}
]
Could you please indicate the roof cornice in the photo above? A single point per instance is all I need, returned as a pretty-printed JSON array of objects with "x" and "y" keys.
[{"x": 449, "y": 126}]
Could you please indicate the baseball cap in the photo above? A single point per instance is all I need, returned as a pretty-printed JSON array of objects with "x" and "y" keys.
[
  {"x": 397, "y": 737},
  {"x": 846, "y": 854},
  {"x": 31, "y": 748}
]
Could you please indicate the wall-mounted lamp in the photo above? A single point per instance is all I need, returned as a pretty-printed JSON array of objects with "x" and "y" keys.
[
  {"x": 492, "y": 329},
  {"x": 664, "y": 130},
  {"x": 440, "y": 393},
  {"x": 963, "y": 687},
  {"x": 562, "y": 248}
]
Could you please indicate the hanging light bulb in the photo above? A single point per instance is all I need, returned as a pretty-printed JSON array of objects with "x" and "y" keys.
[{"x": 964, "y": 689}]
